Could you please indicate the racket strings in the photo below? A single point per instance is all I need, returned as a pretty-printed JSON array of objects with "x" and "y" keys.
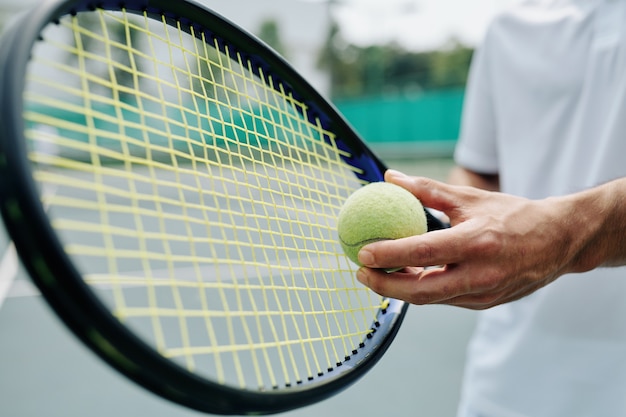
[{"x": 197, "y": 197}]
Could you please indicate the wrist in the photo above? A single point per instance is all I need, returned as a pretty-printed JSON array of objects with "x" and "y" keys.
[{"x": 594, "y": 224}]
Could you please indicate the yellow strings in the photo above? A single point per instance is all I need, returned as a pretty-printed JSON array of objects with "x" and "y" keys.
[{"x": 196, "y": 198}]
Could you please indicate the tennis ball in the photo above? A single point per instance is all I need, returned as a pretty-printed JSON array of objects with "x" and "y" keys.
[{"x": 378, "y": 211}]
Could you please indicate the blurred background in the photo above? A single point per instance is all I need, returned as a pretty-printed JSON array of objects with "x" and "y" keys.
[{"x": 397, "y": 70}]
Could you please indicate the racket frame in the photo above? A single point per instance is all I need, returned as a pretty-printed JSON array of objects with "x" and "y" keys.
[{"x": 60, "y": 282}]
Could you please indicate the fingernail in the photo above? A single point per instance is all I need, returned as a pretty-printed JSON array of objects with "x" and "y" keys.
[
  {"x": 366, "y": 257},
  {"x": 392, "y": 173}
]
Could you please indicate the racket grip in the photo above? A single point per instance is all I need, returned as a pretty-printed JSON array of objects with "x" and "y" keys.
[{"x": 435, "y": 223}]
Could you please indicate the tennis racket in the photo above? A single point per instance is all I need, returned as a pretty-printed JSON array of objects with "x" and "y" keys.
[{"x": 172, "y": 185}]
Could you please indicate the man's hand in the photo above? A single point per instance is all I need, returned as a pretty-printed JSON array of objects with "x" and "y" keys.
[{"x": 500, "y": 248}]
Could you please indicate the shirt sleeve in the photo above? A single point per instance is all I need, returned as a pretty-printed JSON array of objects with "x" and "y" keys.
[{"x": 476, "y": 149}]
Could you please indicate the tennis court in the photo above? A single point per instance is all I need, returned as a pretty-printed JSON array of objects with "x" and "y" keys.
[
  {"x": 44, "y": 370},
  {"x": 162, "y": 221}
]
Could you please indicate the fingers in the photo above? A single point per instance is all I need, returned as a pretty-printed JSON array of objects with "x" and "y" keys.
[
  {"x": 440, "y": 247},
  {"x": 415, "y": 285},
  {"x": 431, "y": 193},
  {"x": 401, "y": 285},
  {"x": 447, "y": 285}
]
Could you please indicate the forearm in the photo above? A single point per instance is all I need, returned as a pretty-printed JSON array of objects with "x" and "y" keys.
[{"x": 595, "y": 221}]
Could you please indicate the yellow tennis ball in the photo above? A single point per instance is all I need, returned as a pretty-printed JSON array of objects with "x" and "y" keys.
[{"x": 378, "y": 211}]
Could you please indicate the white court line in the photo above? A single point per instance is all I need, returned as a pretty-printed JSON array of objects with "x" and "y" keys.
[{"x": 8, "y": 271}]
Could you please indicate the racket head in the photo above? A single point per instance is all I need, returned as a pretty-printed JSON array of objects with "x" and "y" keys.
[{"x": 33, "y": 219}]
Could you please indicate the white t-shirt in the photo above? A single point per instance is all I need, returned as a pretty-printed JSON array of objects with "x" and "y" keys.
[{"x": 546, "y": 109}]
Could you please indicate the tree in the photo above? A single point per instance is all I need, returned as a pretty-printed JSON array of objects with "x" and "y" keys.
[
  {"x": 450, "y": 65},
  {"x": 270, "y": 34},
  {"x": 381, "y": 69},
  {"x": 123, "y": 40}
]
